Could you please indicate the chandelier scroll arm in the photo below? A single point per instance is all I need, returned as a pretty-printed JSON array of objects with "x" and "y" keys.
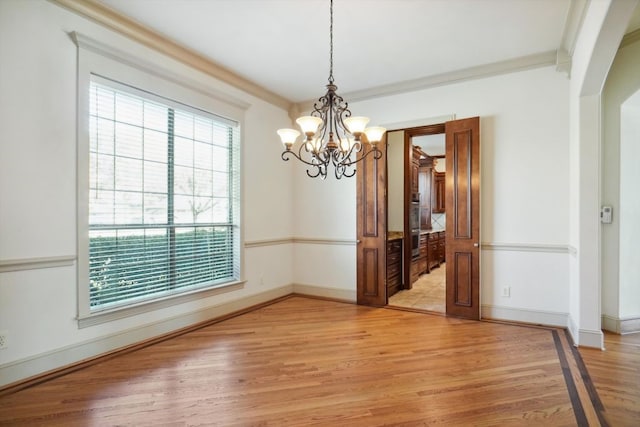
[
  {"x": 377, "y": 155},
  {"x": 319, "y": 166}
]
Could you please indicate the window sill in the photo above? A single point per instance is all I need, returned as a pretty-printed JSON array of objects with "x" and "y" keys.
[{"x": 156, "y": 304}]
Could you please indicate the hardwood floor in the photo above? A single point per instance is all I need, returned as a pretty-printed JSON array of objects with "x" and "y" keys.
[
  {"x": 615, "y": 373},
  {"x": 303, "y": 361}
]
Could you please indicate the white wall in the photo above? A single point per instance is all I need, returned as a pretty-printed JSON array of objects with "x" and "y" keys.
[
  {"x": 324, "y": 256},
  {"x": 38, "y": 197},
  {"x": 524, "y": 147},
  {"x": 395, "y": 186},
  {"x": 596, "y": 45},
  {"x": 620, "y": 170},
  {"x": 630, "y": 208},
  {"x": 525, "y": 193}
]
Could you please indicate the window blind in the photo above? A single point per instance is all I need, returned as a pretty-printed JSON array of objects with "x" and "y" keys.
[{"x": 163, "y": 197}]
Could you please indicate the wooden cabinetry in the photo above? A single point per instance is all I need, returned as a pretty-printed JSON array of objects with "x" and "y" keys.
[
  {"x": 434, "y": 251},
  {"x": 415, "y": 274},
  {"x": 424, "y": 254},
  {"x": 394, "y": 266},
  {"x": 414, "y": 166},
  {"x": 432, "y": 254},
  {"x": 420, "y": 264},
  {"x": 425, "y": 174},
  {"x": 441, "y": 246},
  {"x": 437, "y": 195}
]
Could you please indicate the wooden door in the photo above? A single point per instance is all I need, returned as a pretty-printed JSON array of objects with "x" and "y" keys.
[
  {"x": 371, "y": 228},
  {"x": 462, "y": 203}
]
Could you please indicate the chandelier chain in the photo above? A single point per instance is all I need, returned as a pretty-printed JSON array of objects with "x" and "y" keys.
[{"x": 331, "y": 44}]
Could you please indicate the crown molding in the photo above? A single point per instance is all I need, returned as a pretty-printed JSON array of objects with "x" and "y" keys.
[
  {"x": 113, "y": 20},
  {"x": 630, "y": 38},
  {"x": 573, "y": 24},
  {"x": 87, "y": 43},
  {"x": 563, "y": 62},
  {"x": 537, "y": 60}
]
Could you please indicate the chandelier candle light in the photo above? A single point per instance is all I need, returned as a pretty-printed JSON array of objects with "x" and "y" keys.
[{"x": 332, "y": 136}]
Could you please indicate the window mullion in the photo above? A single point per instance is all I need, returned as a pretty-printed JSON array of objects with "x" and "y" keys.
[{"x": 170, "y": 196}]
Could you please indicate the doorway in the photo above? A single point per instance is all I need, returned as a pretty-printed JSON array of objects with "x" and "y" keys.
[
  {"x": 461, "y": 247},
  {"x": 416, "y": 170}
]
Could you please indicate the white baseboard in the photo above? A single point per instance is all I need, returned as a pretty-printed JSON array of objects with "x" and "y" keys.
[
  {"x": 591, "y": 338},
  {"x": 627, "y": 325},
  {"x": 536, "y": 317},
  {"x": 610, "y": 323},
  {"x": 573, "y": 329},
  {"x": 66, "y": 356},
  {"x": 326, "y": 292}
]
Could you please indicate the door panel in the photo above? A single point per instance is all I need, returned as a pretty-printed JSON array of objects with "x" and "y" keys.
[
  {"x": 370, "y": 271},
  {"x": 371, "y": 228},
  {"x": 463, "y": 217},
  {"x": 463, "y": 291}
]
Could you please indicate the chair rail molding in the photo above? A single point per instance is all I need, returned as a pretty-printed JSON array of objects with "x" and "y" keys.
[
  {"x": 36, "y": 263},
  {"x": 525, "y": 247},
  {"x": 299, "y": 240}
]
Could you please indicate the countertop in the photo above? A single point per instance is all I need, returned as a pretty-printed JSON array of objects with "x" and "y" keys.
[
  {"x": 393, "y": 235},
  {"x": 434, "y": 230}
]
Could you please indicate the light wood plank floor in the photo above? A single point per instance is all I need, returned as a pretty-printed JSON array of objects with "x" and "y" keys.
[
  {"x": 615, "y": 373},
  {"x": 303, "y": 361}
]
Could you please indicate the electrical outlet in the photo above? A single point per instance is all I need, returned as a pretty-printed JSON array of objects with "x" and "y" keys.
[
  {"x": 4, "y": 340},
  {"x": 506, "y": 291}
]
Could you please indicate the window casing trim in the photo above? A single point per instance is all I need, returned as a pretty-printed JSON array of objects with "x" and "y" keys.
[
  {"x": 105, "y": 316},
  {"x": 98, "y": 59},
  {"x": 228, "y": 105}
]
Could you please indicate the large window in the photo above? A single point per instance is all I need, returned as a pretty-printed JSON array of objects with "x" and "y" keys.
[{"x": 163, "y": 197}]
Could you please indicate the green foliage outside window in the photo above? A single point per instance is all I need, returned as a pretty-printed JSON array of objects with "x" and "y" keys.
[{"x": 135, "y": 265}]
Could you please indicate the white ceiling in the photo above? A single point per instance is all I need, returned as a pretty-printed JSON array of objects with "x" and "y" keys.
[
  {"x": 433, "y": 145},
  {"x": 283, "y": 45}
]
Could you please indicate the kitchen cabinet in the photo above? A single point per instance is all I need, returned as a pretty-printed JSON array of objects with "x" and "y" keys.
[
  {"x": 435, "y": 249},
  {"x": 438, "y": 192},
  {"x": 425, "y": 175},
  {"x": 419, "y": 264},
  {"x": 414, "y": 166},
  {"x": 424, "y": 254},
  {"x": 441, "y": 246},
  {"x": 415, "y": 272},
  {"x": 434, "y": 254},
  {"x": 394, "y": 266}
]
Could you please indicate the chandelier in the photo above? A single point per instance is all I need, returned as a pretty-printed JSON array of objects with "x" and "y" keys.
[{"x": 332, "y": 135}]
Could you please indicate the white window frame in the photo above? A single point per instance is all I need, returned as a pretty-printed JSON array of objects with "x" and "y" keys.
[{"x": 99, "y": 59}]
